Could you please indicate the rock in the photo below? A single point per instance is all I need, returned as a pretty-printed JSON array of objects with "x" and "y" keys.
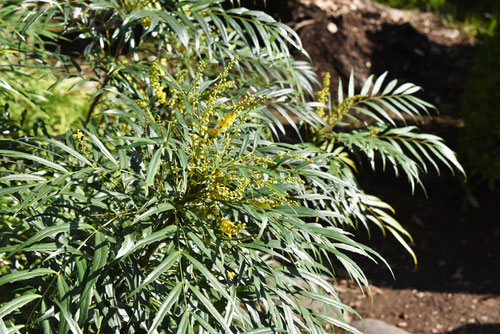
[
  {"x": 374, "y": 326},
  {"x": 332, "y": 27}
]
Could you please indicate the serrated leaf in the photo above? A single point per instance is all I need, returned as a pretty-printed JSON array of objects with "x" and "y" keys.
[
  {"x": 17, "y": 303},
  {"x": 21, "y": 155},
  {"x": 24, "y": 274}
]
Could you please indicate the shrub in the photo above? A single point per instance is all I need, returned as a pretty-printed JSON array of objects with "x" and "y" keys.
[
  {"x": 33, "y": 96},
  {"x": 481, "y": 113},
  {"x": 175, "y": 207},
  {"x": 475, "y": 17}
]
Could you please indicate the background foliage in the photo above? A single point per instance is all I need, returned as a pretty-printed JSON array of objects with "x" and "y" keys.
[
  {"x": 481, "y": 112},
  {"x": 479, "y": 102}
]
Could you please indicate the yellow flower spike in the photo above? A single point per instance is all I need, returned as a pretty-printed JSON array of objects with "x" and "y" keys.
[
  {"x": 323, "y": 95},
  {"x": 213, "y": 132},
  {"x": 155, "y": 73},
  {"x": 141, "y": 103},
  {"x": 231, "y": 274}
]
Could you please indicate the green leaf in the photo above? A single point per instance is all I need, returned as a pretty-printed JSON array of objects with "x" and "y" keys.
[
  {"x": 158, "y": 271},
  {"x": 205, "y": 324},
  {"x": 17, "y": 303},
  {"x": 101, "y": 253},
  {"x": 165, "y": 307},
  {"x": 15, "y": 189},
  {"x": 50, "y": 231},
  {"x": 338, "y": 323},
  {"x": 64, "y": 296},
  {"x": 351, "y": 85},
  {"x": 23, "y": 177},
  {"x": 162, "y": 207},
  {"x": 24, "y": 274},
  {"x": 366, "y": 86},
  {"x": 403, "y": 243},
  {"x": 69, "y": 150},
  {"x": 153, "y": 167},
  {"x": 15, "y": 154},
  {"x": 378, "y": 83},
  {"x": 32, "y": 19},
  {"x": 390, "y": 86},
  {"x": 102, "y": 147},
  {"x": 210, "y": 307},
  {"x": 129, "y": 248},
  {"x": 209, "y": 276},
  {"x": 180, "y": 31},
  {"x": 73, "y": 325},
  {"x": 183, "y": 324},
  {"x": 263, "y": 331}
]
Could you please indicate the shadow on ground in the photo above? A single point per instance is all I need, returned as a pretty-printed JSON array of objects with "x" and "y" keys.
[
  {"x": 477, "y": 329},
  {"x": 457, "y": 245},
  {"x": 410, "y": 56}
]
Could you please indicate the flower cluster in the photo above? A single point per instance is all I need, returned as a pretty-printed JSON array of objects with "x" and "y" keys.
[
  {"x": 230, "y": 228},
  {"x": 81, "y": 144},
  {"x": 214, "y": 172},
  {"x": 156, "y": 72},
  {"x": 231, "y": 274},
  {"x": 342, "y": 108},
  {"x": 323, "y": 95},
  {"x": 78, "y": 135},
  {"x": 282, "y": 155}
]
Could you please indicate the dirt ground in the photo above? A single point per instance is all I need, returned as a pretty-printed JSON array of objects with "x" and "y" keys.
[{"x": 456, "y": 286}]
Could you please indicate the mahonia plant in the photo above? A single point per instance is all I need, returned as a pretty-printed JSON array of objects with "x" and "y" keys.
[
  {"x": 175, "y": 207},
  {"x": 190, "y": 221}
]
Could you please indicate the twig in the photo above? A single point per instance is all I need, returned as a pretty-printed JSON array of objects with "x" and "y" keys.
[{"x": 95, "y": 101}]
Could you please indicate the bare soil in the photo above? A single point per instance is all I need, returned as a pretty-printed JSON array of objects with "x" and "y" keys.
[
  {"x": 422, "y": 312},
  {"x": 456, "y": 286}
]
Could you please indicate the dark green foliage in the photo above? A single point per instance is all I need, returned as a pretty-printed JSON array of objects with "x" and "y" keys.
[
  {"x": 424, "y": 4},
  {"x": 478, "y": 16},
  {"x": 480, "y": 144}
]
